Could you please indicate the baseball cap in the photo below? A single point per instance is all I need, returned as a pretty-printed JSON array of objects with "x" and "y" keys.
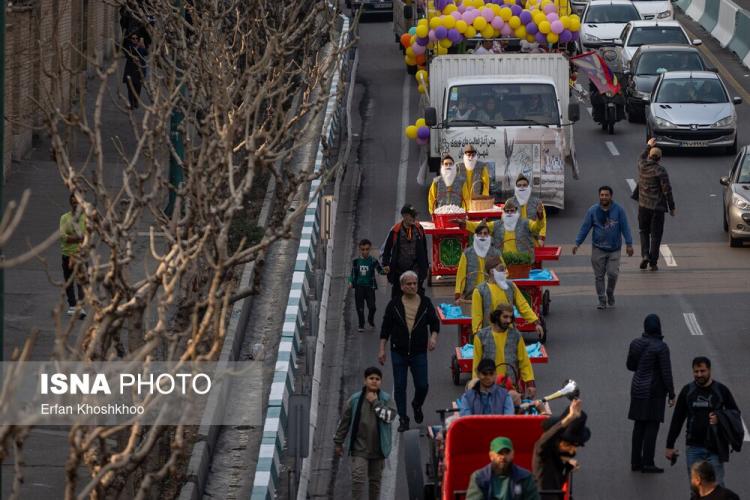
[
  {"x": 409, "y": 209},
  {"x": 501, "y": 443}
]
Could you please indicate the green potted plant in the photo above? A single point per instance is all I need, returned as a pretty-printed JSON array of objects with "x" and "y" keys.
[{"x": 518, "y": 264}]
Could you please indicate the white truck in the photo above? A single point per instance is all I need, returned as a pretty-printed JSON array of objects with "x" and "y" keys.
[{"x": 516, "y": 111}]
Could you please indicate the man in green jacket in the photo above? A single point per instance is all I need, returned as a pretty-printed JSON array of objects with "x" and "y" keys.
[
  {"x": 72, "y": 230},
  {"x": 501, "y": 479},
  {"x": 367, "y": 419}
]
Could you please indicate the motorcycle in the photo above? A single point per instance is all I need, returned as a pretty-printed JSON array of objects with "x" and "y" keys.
[{"x": 607, "y": 108}]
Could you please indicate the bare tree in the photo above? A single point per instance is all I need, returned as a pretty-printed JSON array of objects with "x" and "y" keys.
[{"x": 246, "y": 80}]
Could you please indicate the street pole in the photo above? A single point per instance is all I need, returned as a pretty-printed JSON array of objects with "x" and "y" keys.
[
  {"x": 176, "y": 139},
  {"x": 2, "y": 177}
]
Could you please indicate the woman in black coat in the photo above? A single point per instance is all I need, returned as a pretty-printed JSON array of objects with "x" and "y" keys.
[{"x": 652, "y": 382}]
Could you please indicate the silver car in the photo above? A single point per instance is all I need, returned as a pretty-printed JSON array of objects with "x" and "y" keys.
[
  {"x": 737, "y": 199},
  {"x": 692, "y": 109}
]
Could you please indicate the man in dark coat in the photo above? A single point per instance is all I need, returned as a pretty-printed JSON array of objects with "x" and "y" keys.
[
  {"x": 135, "y": 68},
  {"x": 654, "y": 199},
  {"x": 406, "y": 250},
  {"x": 501, "y": 478},
  {"x": 649, "y": 358}
]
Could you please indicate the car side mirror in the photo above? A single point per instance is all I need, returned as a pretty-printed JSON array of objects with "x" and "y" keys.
[
  {"x": 724, "y": 181},
  {"x": 430, "y": 116},
  {"x": 712, "y": 69},
  {"x": 697, "y": 41},
  {"x": 618, "y": 42},
  {"x": 407, "y": 11},
  {"x": 737, "y": 100},
  {"x": 574, "y": 111}
]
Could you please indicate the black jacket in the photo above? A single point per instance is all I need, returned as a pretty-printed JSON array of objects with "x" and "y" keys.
[
  {"x": 394, "y": 327},
  {"x": 694, "y": 404},
  {"x": 728, "y": 432},
  {"x": 391, "y": 251},
  {"x": 649, "y": 358}
]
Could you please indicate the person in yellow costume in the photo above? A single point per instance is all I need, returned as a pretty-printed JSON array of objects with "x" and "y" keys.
[
  {"x": 496, "y": 290},
  {"x": 447, "y": 188},
  {"x": 512, "y": 233},
  {"x": 530, "y": 207},
  {"x": 501, "y": 342},
  {"x": 474, "y": 186},
  {"x": 471, "y": 269}
]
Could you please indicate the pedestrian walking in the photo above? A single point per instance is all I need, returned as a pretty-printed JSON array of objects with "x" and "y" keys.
[
  {"x": 135, "y": 68},
  {"x": 501, "y": 479},
  {"x": 405, "y": 249},
  {"x": 411, "y": 325},
  {"x": 366, "y": 419},
  {"x": 72, "y": 231},
  {"x": 610, "y": 226},
  {"x": 362, "y": 280},
  {"x": 703, "y": 403},
  {"x": 648, "y": 358},
  {"x": 654, "y": 194},
  {"x": 703, "y": 483}
]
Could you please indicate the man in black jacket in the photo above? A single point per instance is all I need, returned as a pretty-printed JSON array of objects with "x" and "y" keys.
[
  {"x": 649, "y": 358},
  {"x": 703, "y": 484},
  {"x": 654, "y": 199},
  {"x": 405, "y": 249},
  {"x": 412, "y": 326},
  {"x": 698, "y": 402}
]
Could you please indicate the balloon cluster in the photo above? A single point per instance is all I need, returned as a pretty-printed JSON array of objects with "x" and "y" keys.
[
  {"x": 419, "y": 132},
  {"x": 449, "y": 22}
]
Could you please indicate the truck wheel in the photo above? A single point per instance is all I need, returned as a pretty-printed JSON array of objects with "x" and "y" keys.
[
  {"x": 455, "y": 370},
  {"x": 413, "y": 458},
  {"x": 545, "y": 302},
  {"x": 543, "y": 340},
  {"x": 734, "y": 242}
]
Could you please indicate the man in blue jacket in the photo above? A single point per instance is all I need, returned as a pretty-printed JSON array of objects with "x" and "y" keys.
[
  {"x": 610, "y": 225},
  {"x": 486, "y": 397},
  {"x": 501, "y": 478}
]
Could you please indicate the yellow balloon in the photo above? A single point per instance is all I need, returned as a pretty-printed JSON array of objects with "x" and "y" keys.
[
  {"x": 412, "y": 40},
  {"x": 478, "y": 4},
  {"x": 411, "y": 132},
  {"x": 449, "y": 22},
  {"x": 410, "y": 52},
  {"x": 530, "y": 38},
  {"x": 423, "y": 22},
  {"x": 565, "y": 20},
  {"x": 495, "y": 8},
  {"x": 450, "y": 8},
  {"x": 575, "y": 23},
  {"x": 520, "y": 32},
  {"x": 506, "y": 14},
  {"x": 495, "y": 33},
  {"x": 420, "y": 123},
  {"x": 410, "y": 60},
  {"x": 442, "y": 51},
  {"x": 514, "y": 22},
  {"x": 420, "y": 89},
  {"x": 422, "y": 31},
  {"x": 435, "y": 22},
  {"x": 488, "y": 31},
  {"x": 544, "y": 27},
  {"x": 461, "y": 26},
  {"x": 479, "y": 23},
  {"x": 552, "y": 37},
  {"x": 471, "y": 32},
  {"x": 445, "y": 43}
]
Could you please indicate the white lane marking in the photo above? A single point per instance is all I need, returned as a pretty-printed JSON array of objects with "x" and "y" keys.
[
  {"x": 404, "y": 161},
  {"x": 589, "y": 109},
  {"x": 744, "y": 427},
  {"x": 612, "y": 148},
  {"x": 390, "y": 469},
  {"x": 692, "y": 324},
  {"x": 667, "y": 254},
  {"x": 631, "y": 184}
]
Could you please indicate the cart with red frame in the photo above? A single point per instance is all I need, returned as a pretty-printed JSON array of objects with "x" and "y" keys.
[{"x": 467, "y": 443}]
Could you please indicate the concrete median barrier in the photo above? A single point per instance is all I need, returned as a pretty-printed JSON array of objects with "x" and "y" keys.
[{"x": 724, "y": 29}]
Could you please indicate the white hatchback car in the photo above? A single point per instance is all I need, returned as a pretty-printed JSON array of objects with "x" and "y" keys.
[
  {"x": 638, "y": 33},
  {"x": 603, "y": 21},
  {"x": 659, "y": 10}
]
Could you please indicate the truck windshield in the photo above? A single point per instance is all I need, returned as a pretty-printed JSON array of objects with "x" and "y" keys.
[{"x": 502, "y": 104}]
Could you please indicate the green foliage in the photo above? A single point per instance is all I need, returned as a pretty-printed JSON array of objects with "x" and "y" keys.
[
  {"x": 517, "y": 258},
  {"x": 243, "y": 227}
]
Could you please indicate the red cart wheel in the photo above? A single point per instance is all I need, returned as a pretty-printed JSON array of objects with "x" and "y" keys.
[
  {"x": 545, "y": 302},
  {"x": 543, "y": 340},
  {"x": 455, "y": 370}
]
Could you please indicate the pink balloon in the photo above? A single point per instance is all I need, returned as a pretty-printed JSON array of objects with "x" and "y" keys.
[
  {"x": 470, "y": 15},
  {"x": 462, "y": 8},
  {"x": 549, "y": 8},
  {"x": 552, "y": 17},
  {"x": 456, "y": 15},
  {"x": 506, "y": 30},
  {"x": 556, "y": 27},
  {"x": 418, "y": 49},
  {"x": 431, "y": 36},
  {"x": 498, "y": 23},
  {"x": 487, "y": 14}
]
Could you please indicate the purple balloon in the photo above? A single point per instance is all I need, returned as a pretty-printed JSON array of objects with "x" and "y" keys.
[
  {"x": 532, "y": 28},
  {"x": 498, "y": 23},
  {"x": 421, "y": 141},
  {"x": 431, "y": 36},
  {"x": 470, "y": 15},
  {"x": 557, "y": 27},
  {"x": 462, "y": 8},
  {"x": 454, "y": 36},
  {"x": 566, "y": 36},
  {"x": 487, "y": 13},
  {"x": 423, "y": 132},
  {"x": 549, "y": 8},
  {"x": 441, "y": 4},
  {"x": 576, "y": 36},
  {"x": 552, "y": 17},
  {"x": 525, "y": 17},
  {"x": 418, "y": 49},
  {"x": 516, "y": 10},
  {"x": 541, "y": 37},
  {"x": 423, "y": 41},
  {"x": 507, "y": 30},
  {"x": 441, "y": 32}
]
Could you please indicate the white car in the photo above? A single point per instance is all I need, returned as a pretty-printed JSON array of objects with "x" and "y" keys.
[
  {"x": 603, "y": 22},
  {"x": 638, "y": 33},
  {"x": 659, "y": 10}
]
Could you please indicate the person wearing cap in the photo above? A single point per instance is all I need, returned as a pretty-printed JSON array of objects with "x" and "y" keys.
[
  {"x": 501, "y": 479},
  {"x": 512, "y": 233},
  {"x": 480, "y": 186},
  {"x": 486, "y": 397},
  {"x": 555, "y": 451},
  {"x": 405, "y": 249},
  {"x": 496, "y": 290},
  {"x": 654, "y": 194},
  {"x": 447, "y": 188},
  {"x": 502, "y": 343},
  {"x": 471, "y": 270},
  {"x": 530, "y": 207}
]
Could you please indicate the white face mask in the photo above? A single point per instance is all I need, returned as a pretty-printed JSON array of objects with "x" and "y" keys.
[
  {"x": 448, "y": 173},
  {"x": 499, "y": 277},
  {"x": 523, "y": 194},
  {"x": 482, "y": 245},
  {"x": 470, "y": 162},
  {"x": 510, "y": 221}
]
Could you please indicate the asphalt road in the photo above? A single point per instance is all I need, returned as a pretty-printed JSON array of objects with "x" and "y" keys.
[{"x": 710, "y": 281}]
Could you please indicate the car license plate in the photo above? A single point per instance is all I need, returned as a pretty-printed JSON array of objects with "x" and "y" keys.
[{"x": 694, "y": 144}]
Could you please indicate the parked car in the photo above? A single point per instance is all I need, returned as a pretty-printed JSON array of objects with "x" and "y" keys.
[
  {"x": 736, "y": 205},
  {"x": 692, "y": 109},
  {"x": 638, "y": 33},
  {"x": 370, "y": 6},
  {"x": 604, "y": 20},
  {"x": 647, "y": 64},
  {"x": 655, "y": 9}
]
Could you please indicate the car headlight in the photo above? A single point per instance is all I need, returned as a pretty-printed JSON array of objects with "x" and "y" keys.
[
  {"x": 641, "y": 95},
  {"x": 725, "y": 122},
  {"x": 740, "y": 202},
  {"x": 591, "y": 38},
  {"x": 664, "y": 15},
  {"x": 662, "y": 123}
]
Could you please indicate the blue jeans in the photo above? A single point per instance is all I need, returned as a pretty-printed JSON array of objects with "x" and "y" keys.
[
  {"x": 697, "y": 453},
  {"x": 418, "y": 365}
]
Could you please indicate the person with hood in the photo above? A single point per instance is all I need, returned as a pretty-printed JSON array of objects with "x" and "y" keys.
[
  {"x": 496, "y": 290},
  {"x": 504, "y": 345},
  {"x": 479, "y": 186},
  {"x": 649, "y": 359},
  {"x": 367, "y": 418},
  {"x": 610, "y": 225},
  {"x": 501, "y": 479},
  {"x": 530, "y": 207},
  {"x": 405, "y": 249},
  {"x": 512, "y": 233},
  {"x": 555, "y": 450},
  {"x": 471, "y": 269},
  {"x": 654, "y": 194},
  {"x": 447, "y": 188},
  {"x": 486, "y": 397}
]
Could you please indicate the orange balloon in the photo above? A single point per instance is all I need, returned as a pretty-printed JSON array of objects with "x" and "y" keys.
[
  {"x": 421, "y": 59},
  {"x": 405, "y": 39}
]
